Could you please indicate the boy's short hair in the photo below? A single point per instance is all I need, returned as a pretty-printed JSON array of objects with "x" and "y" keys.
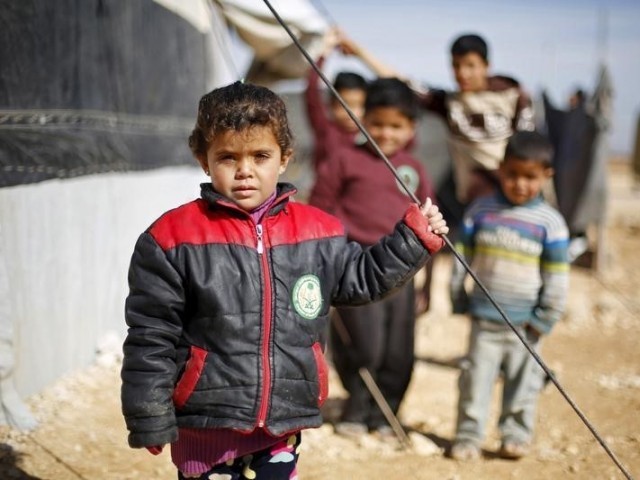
[
  {"x": 392, "y": 92},
  {"x": 526, "y": 145},
  {"x": 470, "y": 43},
  {"x": 349, "y": 80}
]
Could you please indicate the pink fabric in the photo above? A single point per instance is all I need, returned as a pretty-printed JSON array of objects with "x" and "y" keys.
[
  {"x": 258, "y": 212},
  {"x": 197, "y": 450}
]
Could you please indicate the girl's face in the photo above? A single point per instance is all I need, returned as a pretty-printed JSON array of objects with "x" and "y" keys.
[
  {"x": 354, "y": 98},
  {"x": 245, "y": 165}
]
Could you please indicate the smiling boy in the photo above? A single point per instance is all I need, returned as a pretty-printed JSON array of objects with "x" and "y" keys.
[
  {"x": 355, "y": 185},
  {"x": 480, "y": 117}
]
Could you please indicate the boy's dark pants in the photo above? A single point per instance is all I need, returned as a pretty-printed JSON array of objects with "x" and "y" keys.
[{"x": 382, "y": 340}]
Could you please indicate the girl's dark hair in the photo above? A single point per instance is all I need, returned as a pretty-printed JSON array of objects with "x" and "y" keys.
[
  {"x": 470, "y": 43},
  {"x": 237, "y": 107},
  {"x": 532, "y": 146},
  {"x": 392, "y": 92},
  {"x": 349, "y": 80}
]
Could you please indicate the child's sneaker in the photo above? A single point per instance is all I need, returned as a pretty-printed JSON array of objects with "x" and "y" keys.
[
  {"x": 465, "y": 451},
  {"x": 351, "y": 429},
  {"x": 513, "y": 450},
  {"x": 384, "y": 433}
]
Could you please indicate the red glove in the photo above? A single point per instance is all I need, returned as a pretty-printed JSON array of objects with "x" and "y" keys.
[
  {"x": 156, "y": 449},
  {"x": 420, "y": 225}
]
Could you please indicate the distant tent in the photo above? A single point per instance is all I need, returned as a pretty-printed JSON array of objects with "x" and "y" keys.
[{"x": 579, "y": 137}]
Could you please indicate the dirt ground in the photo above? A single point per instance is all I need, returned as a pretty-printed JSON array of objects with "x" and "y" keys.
[{"x": 593, "y": 351}]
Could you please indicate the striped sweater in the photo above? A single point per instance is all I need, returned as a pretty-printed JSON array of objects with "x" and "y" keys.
[{"x": 519, "y": 252}]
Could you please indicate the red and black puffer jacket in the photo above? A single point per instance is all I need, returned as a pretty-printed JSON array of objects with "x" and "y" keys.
[{"x": 227, "y": 319}]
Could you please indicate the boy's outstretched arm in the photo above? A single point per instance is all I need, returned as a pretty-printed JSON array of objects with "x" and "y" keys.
[{"x": 349, "y": 47}]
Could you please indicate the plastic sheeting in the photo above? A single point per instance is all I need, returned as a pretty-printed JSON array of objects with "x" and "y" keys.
[
  {"x": 97, "y": 98},
  {"x": 67, "y": 248},
  {"x": 87, "y": 87},
  {"x": 275, "y": 57},
  {"x": 100, "y": 86}
]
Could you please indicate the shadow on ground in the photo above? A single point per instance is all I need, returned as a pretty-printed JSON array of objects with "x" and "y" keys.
[{"x": 10, "y": 464}]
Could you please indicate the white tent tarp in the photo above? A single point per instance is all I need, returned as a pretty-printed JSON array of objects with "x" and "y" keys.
[{"x": 66, "y": 243}]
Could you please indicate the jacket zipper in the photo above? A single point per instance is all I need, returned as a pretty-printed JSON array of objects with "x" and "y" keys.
[
  {"x": 260, "y": 247},
  {"x": 266, "y": 338}
]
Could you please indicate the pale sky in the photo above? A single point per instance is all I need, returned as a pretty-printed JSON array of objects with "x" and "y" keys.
[{"x": 555, "y": 45}]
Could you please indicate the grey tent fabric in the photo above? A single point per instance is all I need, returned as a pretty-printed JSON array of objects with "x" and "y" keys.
[
  {"x": 111, "y": 85},
  {"x": 12, "y": 411},
  {"x": 100, "y": 86},
  {"x": 275, "y": 57},
  {"x": 87, "y": 87},
  {"x": 581, "y": 151},
  {"x": 96, "y": 86}
]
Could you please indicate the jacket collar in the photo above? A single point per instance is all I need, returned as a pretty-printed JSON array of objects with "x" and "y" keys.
[
  {"x": 215, "y": 200},
  {"x": 531, "y": 203}
]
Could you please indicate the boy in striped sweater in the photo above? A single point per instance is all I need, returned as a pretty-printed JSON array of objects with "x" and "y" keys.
[{"x": 517, "y": 244}]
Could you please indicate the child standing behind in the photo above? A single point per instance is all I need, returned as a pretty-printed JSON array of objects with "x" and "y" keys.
[
  {"x": 517, "y": 245},
  {"x": 331, "y": 124},
  {"x": 230, "y": 295},
  {"x": 354, "y": 184},
  {"x": 480, "y": 117}
]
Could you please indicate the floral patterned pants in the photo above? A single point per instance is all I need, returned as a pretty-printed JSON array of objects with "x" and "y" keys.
[{"x": 278, "y": 462}]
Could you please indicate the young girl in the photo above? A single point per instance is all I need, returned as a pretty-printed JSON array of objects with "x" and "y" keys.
[
  {"x": 230, "y": 294},
  {"x": 330, "y": 123}
]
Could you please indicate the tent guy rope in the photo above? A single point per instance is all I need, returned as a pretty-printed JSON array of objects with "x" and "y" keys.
[{"x": 473, "y": 275}]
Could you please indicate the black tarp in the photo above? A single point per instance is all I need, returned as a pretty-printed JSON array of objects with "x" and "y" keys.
[
  {"x": 635, "y": 158},
  {"x": 578, "y": 136},
  {"x": 95, "y": 86}
]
